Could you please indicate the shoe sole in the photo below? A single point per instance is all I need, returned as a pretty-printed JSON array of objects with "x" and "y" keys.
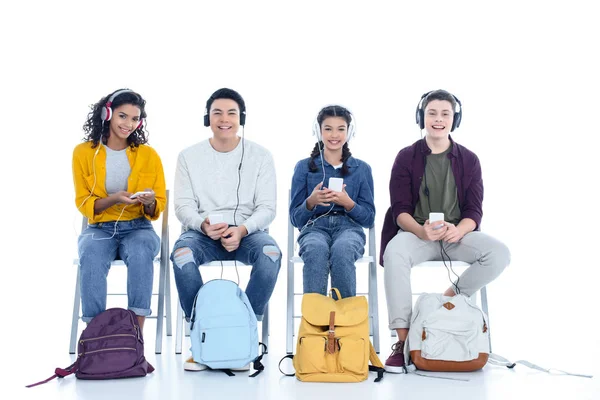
[
  {"x": 195, "y": 368},
  {"x": 394, "y": 370}
]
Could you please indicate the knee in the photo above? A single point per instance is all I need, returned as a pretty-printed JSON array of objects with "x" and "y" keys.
[
  {"x": 501, "y": 256},
  {"x": 182, "y": 256},
  {"x": 272, "y": 252},
  {"x": 314, "y": 250},
  {"x": 351, "y": 249},
  {"x": 394, "y": 257}
]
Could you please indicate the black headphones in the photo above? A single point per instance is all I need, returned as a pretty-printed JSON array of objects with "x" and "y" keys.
[
  {"x": 225, "y": 93},
  {"x": 420, "y": 113}
]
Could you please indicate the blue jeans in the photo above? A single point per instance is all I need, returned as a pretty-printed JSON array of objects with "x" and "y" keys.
[
  {"x": 136, "y": 243},
  {"x": 257, "y": 249},
  {"x": 332, "y": 243}
]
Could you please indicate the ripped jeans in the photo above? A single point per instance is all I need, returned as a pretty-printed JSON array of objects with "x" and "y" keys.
[{"x": 257, "y": 249}]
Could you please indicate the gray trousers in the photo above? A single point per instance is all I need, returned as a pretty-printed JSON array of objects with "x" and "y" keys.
[{"x": 488, "y": 258}]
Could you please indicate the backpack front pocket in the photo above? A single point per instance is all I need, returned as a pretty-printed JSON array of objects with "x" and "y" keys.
[
  {"x": 310, "y": 355},
  {"x": 351, "y": 357},
  {"x": 449, "y": 340},
  {"x": 224, "y": 344}
]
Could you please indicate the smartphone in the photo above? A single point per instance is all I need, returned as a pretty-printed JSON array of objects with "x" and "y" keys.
[
  {"x": 135, "y": 195},
  {"x": 336, "y": 184},
  {"x": 215, "y": 219},
  {"x": 436, "y": 217}
]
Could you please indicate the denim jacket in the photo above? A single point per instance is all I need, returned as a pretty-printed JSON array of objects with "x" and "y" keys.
[{"x": 359, "y": 186}]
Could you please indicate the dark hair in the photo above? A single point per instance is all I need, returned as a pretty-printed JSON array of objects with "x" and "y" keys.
[
  {"x": 96, "y": 129},
  {"x": 326, "y": 112},
  {"x": 439, "y": 95},
  {"x": 225, "y": 93}
]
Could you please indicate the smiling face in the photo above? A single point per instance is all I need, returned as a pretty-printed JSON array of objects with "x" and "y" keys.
[
  {"x": 224, "y": 118},
  {"x": 439, "y": 116},
  {"x": 334, "y": 132},
  {"x": 124, "y": 121}
]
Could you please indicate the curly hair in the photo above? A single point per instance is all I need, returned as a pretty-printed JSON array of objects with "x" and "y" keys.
[
  {"x": 95, "y": 128},
  {"x": 326, "y": 112}
]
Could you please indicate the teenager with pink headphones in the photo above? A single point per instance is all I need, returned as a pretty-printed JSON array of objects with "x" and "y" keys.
[{"x": 110, "y": 167}]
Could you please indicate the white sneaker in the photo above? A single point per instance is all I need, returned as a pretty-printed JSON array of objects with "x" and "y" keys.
[{"x": 191, "y": 365}]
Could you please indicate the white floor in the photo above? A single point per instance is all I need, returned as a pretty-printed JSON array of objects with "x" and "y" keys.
[
  {"x": 170, "y": 381},
  {"x": 526, "y": 322}
]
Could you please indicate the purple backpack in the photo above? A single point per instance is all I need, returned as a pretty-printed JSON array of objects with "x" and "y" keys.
[{"x": 111, "y": 346}]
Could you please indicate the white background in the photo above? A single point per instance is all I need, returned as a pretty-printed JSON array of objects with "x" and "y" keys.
[{"x": 526, "y": 73}]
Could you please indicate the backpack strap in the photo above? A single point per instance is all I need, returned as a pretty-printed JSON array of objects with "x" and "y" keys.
[
  {"x": 377, "y": 365},
  {"x": 496, "y": 359},
  {"x": 59, "y": 373},
  {"x": 257, "y": 365},
  {"x": 290, "y": 356}
]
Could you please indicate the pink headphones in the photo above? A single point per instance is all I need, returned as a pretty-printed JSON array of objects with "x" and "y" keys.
[{"x": 106, "y": 112}]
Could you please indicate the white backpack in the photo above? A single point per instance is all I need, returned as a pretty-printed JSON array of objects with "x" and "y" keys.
[
  {"x": 447, "y": 334},
  {"x": 450, "y": 334}
]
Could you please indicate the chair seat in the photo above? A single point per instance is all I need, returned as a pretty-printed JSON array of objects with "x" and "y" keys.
[
  {"x": 228, "y": 263},
  {"x": 116, "y": 262},
  {"x": 366, "y": 259},
  {"x": 437, "y": 264}
]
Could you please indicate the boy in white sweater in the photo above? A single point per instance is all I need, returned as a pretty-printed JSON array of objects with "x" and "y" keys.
[{"x": 235, "y": 178}]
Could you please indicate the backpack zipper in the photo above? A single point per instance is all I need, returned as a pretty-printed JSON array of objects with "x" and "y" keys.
[
  {"x": 100, "y": 350},
  {"x": 107, "y": 336}
]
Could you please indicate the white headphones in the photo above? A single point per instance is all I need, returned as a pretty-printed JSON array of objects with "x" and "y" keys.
[{"x": 338, "y": 111}]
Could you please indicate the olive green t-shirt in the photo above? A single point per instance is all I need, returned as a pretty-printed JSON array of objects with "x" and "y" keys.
[{"x": 442, "y": 190}]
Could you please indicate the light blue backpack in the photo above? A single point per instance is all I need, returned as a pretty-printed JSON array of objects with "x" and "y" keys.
[{"x": 223, "y": 328}]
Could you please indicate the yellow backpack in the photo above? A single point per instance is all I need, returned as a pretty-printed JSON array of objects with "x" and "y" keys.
[{"x": 333, "y": 340}]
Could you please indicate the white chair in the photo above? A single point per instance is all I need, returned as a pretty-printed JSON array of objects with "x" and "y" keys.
[
  {"x": 459, "y": 264},
  {"x": 371, "y": 259},
  {"x": 164, "y": 286},
  {"x": 181, "y": 318}
]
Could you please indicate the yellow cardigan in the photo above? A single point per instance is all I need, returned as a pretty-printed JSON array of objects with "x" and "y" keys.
[{"x": 146, "y": 172}]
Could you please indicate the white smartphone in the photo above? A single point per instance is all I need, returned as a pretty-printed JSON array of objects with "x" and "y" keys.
[
  {"x": 436, "y": 217},
  {"x": 336, "y": 184},
  {"x": 215, "y": 218},
  {"x": 133, "y": 196}
]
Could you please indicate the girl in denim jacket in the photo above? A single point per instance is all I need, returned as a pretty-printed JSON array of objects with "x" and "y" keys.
[{"x": 331, "y": 223}]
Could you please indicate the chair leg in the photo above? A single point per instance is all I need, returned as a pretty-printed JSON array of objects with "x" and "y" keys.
[
  {"x": 289, "y": 336},
  {"x": 265, "y": 327},
  {"x": 161, "y": 306},
  {"x": 75, "y": 320},
  {"x": 373, "y": 306},
  {"x": 484, "y": 307},
  {"x": 373, "y": 299},
  {"x": 178, "y": 331},
  {"x": 168, "y": 300}
]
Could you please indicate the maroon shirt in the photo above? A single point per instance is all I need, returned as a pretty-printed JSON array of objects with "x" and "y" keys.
[{"x": 405, "y": 183}]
